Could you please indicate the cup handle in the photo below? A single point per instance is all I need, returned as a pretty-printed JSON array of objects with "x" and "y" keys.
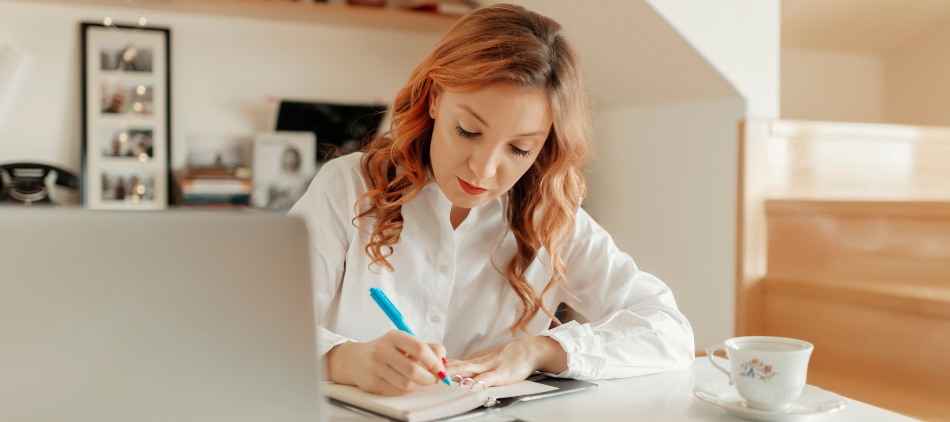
[{"x": 709, "y": 354}]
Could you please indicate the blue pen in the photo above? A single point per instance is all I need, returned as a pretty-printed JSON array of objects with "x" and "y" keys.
[{"x": 393, "y": 314}]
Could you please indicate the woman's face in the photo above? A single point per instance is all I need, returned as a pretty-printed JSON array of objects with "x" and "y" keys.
[
  {"x": 483, "y": 142},
  {"x": 291, "y": 161}
]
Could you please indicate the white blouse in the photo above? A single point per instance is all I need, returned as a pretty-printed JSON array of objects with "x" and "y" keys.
[{"x": 449, "y": 292}]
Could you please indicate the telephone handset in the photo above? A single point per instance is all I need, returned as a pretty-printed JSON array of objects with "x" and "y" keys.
[{"x": 30, "y": 183}]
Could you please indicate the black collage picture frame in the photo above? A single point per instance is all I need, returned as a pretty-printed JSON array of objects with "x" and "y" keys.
[{"x": 126, "y": 117}]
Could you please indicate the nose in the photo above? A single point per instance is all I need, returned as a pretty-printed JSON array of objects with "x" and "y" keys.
[{"x": 484, "y": 162}]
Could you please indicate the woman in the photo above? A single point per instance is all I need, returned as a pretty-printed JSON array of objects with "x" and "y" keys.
[{"x": 467, "y": 215}]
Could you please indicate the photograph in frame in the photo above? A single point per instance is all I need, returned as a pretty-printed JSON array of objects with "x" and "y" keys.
[{"x": 283, "y": 167}]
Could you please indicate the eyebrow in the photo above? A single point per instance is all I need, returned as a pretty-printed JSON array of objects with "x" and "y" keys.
[{"x": 468, "y": 109}]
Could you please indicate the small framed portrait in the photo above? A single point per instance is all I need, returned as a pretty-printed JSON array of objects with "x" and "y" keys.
[
  {"x": 284, "y": 165},
  {"x": 126, "y": 142},
  {"x": 125, "y": 98},
  {"x": 126, "y": 117},
  {"x": 128, "y": 188}
]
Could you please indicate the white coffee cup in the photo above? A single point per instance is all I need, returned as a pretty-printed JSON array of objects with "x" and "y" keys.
[{"x": 768, "y": 372}]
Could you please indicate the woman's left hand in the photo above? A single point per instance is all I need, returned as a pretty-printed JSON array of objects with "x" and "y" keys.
[{"x": 511, "y": 362}]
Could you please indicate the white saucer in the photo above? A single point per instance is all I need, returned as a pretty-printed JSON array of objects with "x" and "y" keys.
[{"x": 813, "y": 401}]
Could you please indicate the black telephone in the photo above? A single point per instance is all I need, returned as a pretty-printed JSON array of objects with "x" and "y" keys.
[{"x": 30, "y": 183}]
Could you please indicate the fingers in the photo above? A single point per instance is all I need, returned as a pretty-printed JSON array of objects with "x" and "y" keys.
[
  {"x": 470, "y": 368},
  {"x": 409, "y": 369},
  {"x": 418, "y": 350},
  {"x": 489, "y": 378},
  {"x": 439, "y": 350},
  {"x": 401, "y": 382}
]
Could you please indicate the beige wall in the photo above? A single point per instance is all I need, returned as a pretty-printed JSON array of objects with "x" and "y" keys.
[
  {"x": 833, "y": 85},
  {"x": 672, "y": 82},
  {"x": 918, "y": 80},
  {"x": 664, "y": 187},
  {"x": 739, "y": 38}
]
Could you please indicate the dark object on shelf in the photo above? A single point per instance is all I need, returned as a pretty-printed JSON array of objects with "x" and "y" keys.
[
  {"x": 372, "y": 3},
  {"x": 29, "y": 183},
  {"x": 343, "y": 128},
  {"x": 442, "y": 7}
]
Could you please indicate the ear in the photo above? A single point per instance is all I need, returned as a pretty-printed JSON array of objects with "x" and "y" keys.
[{"x": 434, "y": 100}]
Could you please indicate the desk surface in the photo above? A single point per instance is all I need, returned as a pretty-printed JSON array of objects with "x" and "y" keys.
[{"x": 660, "y": 397}]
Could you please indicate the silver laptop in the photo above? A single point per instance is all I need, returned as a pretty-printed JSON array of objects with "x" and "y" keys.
[{"x": 144, "y": 316}]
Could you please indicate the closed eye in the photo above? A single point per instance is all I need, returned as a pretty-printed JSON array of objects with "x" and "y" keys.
[
  {"x": 520, "y": 151},
  {"x": 464, "y": 133}
]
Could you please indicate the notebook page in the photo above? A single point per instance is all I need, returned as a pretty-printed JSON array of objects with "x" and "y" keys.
[
  {"x": 435, "y": 402},
  {"x": 430, "y": 396},
  {"x": 522, "y": 388}
]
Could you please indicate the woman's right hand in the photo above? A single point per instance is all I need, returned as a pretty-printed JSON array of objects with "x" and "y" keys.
[{"x": 394, "y": 364}]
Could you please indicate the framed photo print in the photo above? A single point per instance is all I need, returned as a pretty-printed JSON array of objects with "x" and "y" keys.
[
  {"x": 126, "y": 122},
  {"x": 283, "y": 168}
]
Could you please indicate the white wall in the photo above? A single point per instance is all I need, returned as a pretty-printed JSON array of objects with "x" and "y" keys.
[
  {"x": 918, "y": 80},
  {"x": 632, "y": 55},
  {"x": 833, "y": 85},
  {"x": 663, "y": 186},
  {"x": 740, "y": 38},
  {"x": 223, "y": 69}
]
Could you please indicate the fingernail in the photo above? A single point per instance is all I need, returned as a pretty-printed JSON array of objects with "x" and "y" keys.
[
  {"x": 444, "y": 363},
  {"x": 441, "y": 375}
]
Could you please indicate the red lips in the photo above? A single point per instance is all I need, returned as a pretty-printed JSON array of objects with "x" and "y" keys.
[{"x": 469, "y": 189}]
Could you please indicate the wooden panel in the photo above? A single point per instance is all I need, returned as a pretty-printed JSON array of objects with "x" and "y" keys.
[
  {"x": 367, "y": 17},
  {"x": 827, "y": 160},
  {"x": 905, "y": 242},
  {"x": 856, "y": 339},
  {"x": 914, "y": 299},
  {"x": 919, "y": 403},
  {"x": 752, "y": 239}
]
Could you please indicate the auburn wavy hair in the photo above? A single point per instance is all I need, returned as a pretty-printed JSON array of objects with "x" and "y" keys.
[{"x": 500, "y": 43}]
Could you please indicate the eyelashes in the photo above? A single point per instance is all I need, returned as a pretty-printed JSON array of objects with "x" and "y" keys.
[
  {"x": 520, "y": 151},
  {"x": 471, "y": 135},
  {"x": 464, "y": 133}
]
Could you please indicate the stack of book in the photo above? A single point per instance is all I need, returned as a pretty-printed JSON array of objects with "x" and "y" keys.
[{"x": 217, "y": 186}]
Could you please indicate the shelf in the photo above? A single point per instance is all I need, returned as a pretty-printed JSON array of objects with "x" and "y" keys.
[{"x": 322, "y": 13}]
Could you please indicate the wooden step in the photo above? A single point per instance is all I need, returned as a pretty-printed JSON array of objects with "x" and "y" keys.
[
  {"x": 907, "y": 241},
  {"x": 891, "y": 331}
]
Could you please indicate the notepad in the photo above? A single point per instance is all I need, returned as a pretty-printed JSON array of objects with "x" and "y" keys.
[{"x": 438, "y": 401}]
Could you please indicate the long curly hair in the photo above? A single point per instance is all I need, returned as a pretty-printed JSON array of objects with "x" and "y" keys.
[{"x": 500, "y": 43}]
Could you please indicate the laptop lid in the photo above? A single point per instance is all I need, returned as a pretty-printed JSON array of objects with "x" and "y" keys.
[{"x": 148, "y": 316}]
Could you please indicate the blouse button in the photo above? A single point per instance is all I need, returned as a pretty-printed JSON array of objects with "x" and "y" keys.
[
  {"x": 435, "y": 319},
  {"x": 444, "y": 268}
]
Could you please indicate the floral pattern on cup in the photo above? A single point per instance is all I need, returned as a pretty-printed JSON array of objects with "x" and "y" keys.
[{"x": 757, "y": 369}]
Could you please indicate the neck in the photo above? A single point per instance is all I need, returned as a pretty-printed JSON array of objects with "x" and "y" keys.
[{"x": 458, "y": 215}]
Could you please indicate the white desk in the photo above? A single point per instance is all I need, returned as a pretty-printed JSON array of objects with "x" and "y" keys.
[{"x": 661, "y": 397}]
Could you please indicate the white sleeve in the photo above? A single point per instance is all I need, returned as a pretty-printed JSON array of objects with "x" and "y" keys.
[
  {"x": 327, "y": 209},
  {"x": 636, "y": 328}
]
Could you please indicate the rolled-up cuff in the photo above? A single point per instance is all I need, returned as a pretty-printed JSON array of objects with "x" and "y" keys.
[
  {"x": 585, "y": 355},
  {"x": 328, "y": 340}
]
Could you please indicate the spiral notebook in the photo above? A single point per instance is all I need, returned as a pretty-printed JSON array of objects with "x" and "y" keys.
[{"x": 441, "y": 402}]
